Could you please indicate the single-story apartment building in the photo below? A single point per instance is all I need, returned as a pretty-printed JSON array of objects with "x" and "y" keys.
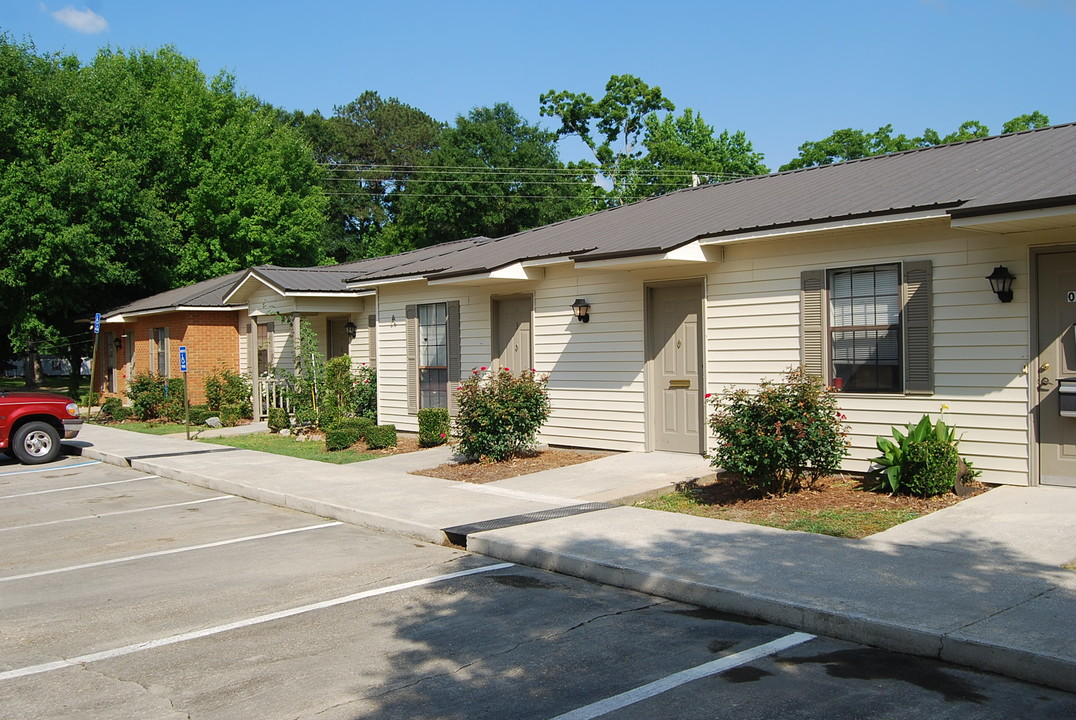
[{"x": 871, "y": 273}]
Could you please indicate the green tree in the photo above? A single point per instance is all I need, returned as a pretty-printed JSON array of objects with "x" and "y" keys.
[
  {"x": 610, "y": 127},
  {"x": 133, "y": 175},
  {"x": 371, "y": 148},
  {"x": 491, "y": 175},
  {"x": 683, "y": 151},
  {"x": 1026, "y": 122},
  {"x": 849, "y": 144}
]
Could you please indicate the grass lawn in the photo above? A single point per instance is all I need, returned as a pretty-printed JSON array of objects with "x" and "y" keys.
[
  {"x": 838, "y": 521},
  {"x": 281, "y": 445},
  {"x": 153, "y": 428},
  {"x": 49, "y": 383},
  {"x": 838, "y": 506}
]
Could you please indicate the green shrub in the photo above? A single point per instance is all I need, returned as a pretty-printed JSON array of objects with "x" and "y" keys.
[
  {"x": 380, "y": 436},
  {"x": 227, "y": 387},
  {"x": 341, "y": 438},
  {"x": 433, "y": 427},
  {"x": 500, "y": 415},
  {"x": 109, "y": 408},
  {"x": 364, "y": 395},
  {"x": 931, "y": 468},
  {"x": 154, "y": 397},
  {"x": 916, "y": 462},
  {"x": 361, "y": 424},
  {"x": 278, "y": 419},
  {"x": 782, "y": 437},
  {"x": 230, "y": 415},
  {"x": 199, "y": 414},
  {"x": 89, "y": 399}
]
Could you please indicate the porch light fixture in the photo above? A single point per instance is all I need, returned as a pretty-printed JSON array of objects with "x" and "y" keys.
[
  {"x": 1001, "y": 283},
  {"x": 581, "y": 308},
  {"x": 117, "y": 343},
  {"x": 350, "y": 329}
]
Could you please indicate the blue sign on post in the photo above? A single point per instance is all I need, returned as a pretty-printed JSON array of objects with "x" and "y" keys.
[
  {"x": 96, "y": 323},
  {"x": 183, "y": 358}
]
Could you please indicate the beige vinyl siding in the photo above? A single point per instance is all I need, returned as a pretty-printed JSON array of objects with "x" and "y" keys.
[
  {"x": 391, "y": 343},
  {"x": 980, "y": 345}
]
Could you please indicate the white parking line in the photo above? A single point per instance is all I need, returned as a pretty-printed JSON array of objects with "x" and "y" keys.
[
  {"x": 603, "y": 707},
  {"x": 120, "y": 512},
  {"x": 78, "y": 487},
  {"x": 173, "y": 639},
  {"x": 53, "y": 467},
  {"x": 173, "y": 551}
]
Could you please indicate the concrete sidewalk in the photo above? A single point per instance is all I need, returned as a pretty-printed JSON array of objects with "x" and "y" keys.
[{"x": 980, "y": 584}]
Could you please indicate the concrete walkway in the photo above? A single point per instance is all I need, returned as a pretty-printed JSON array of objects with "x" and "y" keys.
[{"x": 981, "y": 583}]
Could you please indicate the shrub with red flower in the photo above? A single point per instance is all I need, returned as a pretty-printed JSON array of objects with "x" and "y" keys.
[
  {"x": 782, "y": 437},
  {"x": 500, "y": 414}
]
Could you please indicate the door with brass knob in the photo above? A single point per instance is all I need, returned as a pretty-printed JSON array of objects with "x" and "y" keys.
[
  {"x": 674, "y": 351},
  {"x": 1055, "y": 363}
]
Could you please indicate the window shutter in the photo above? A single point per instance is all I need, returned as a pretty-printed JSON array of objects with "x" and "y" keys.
[
  {"x": 453, "y": 322},
  {"x": 919, "y": 366},
  {"x": 371, "y": 337},
  {"x": 812, "y": 322},
  {"x": 411, "y": 322}
]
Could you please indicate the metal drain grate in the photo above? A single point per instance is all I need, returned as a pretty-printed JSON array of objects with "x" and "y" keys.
[{"x": 458, "y": 534}]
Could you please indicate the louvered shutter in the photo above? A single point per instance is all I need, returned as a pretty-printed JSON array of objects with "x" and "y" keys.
[
  {"x": 918, "y": 338},
  {"x": 812, "y": 322},
  {"x": 453, "y": 323},
  {"x": 371, "y": 338},
  {"x": 411, "y": 322}
]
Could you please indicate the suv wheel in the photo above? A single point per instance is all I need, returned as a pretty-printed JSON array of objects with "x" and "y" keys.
[{"x": 35, "y": 443}]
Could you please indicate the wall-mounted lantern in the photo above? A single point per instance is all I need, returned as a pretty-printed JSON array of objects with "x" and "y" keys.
[
  {"x": 581, "y": 308},
  {"x": 117, "y": 343},
  {"x": 350, "y": 329},
  {"x": 1001, "y": 283}
]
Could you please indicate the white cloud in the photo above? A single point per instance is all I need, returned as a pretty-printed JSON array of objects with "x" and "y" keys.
[{"x": 84, "y": 21}]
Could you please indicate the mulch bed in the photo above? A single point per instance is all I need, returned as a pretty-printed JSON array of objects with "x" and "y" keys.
[
  {"x": 479, "y": 472},
  {"x": 838, "y": 492}
]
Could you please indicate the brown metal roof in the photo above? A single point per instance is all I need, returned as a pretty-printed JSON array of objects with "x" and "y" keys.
[
  {"x": 977, "y": 177},
  {"x": 1032, "y": 168},
  {"x": 207, "y": 294}
]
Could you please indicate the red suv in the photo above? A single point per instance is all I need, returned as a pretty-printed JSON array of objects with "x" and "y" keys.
[{"x": 32, "y": 423}]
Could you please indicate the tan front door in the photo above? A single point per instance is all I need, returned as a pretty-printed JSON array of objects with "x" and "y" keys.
[
  {"x": 673, "y": 379},
  {"x": 512, "y": 333},
  {"x": 1056, "y": 361}
]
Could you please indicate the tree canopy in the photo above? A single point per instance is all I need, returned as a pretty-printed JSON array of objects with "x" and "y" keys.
[
  {"x": 370, "y": 148},
  {"x": 641, "y": 153},
  {"x": 491, "y": 174},
  {"x": 849, "y": 144},
  {"x": 132, "y": 175}
]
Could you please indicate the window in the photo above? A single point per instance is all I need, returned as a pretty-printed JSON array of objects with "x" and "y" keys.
[
  {"x": 867, "y": 329},
  {"x": 864, "y": 329},
  {"x": 158, "y": 349},
  {"x": 264, "y": 341},
  {"x": 433, "y": 357}
]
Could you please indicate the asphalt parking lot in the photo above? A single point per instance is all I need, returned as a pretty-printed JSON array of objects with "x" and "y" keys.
[{"x": 124, "y": 595}]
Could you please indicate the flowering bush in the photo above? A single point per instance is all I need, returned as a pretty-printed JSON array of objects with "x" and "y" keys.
[
  {"x": 500, "y": 415},
  {"x": 433, "y": 427},
  {"x": 781, "y": 438},
  {"x": 923, "y": 461},
  {"x": 364, "y": 396}
]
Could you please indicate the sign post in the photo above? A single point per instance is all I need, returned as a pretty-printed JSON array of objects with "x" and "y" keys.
[
  {"x": 186, "y": 399},
  {"x": 93, "y": 362}
]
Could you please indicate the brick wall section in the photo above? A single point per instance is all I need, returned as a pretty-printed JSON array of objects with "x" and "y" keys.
[{"x": 212, "y": 340}]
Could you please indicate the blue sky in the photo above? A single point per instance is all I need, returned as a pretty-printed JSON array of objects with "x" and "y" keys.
[{"x": 784, "y": 72}]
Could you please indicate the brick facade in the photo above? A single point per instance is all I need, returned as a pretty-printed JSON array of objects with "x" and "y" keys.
[{"x": 211, "y": 338}]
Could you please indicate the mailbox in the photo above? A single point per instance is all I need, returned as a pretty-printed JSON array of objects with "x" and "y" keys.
[{"x": 1066, "y": 397}]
